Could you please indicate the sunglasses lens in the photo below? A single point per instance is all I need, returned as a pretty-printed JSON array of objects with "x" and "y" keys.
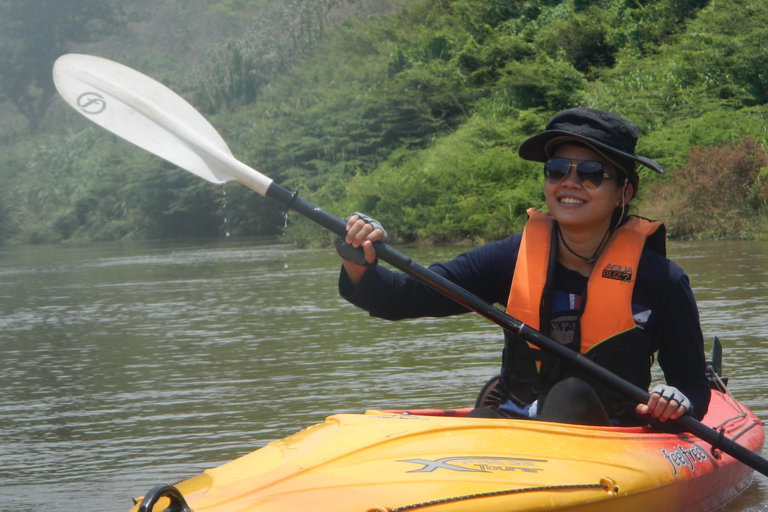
[
  {"x": 555, "y": 169},
  {"x": 590, "y": 174}
]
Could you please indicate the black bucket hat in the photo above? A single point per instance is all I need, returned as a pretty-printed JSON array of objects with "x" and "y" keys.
[{"x": 608, "y": 134}]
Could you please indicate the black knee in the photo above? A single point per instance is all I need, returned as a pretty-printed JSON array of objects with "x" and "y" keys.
[{"x": 573, "y": 401}]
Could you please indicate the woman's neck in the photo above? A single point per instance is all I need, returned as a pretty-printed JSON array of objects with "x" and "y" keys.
[{"x": 578, "y": 250}]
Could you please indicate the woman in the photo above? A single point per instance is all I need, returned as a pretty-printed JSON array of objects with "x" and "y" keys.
[{"x": 639, "y": 303}]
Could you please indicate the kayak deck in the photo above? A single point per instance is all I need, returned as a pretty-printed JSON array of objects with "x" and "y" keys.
[{"x": 421, "y": 460}]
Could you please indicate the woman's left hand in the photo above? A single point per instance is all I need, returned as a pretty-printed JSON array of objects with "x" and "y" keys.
[{"x": 666, "y": 403}]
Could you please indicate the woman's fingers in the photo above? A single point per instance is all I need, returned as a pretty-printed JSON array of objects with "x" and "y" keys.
[
  {"x": 662, "y": 408},
  {"x": 359, "y": 231}
]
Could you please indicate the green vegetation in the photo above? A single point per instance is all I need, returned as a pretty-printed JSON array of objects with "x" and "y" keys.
[
  {"x": 729, "y": 183},
  {"x": 408, "y": 110},
  {"x": 34, "y": 32}
]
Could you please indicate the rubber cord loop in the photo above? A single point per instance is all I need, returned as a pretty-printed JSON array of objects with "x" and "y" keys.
[{"x": 178, "y": 503}]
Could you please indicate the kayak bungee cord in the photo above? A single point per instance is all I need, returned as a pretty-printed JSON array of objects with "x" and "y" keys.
[{"x": 607, "y": 487}]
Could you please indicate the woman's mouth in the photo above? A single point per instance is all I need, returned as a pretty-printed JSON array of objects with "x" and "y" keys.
[{"x": 571, "y": 200}]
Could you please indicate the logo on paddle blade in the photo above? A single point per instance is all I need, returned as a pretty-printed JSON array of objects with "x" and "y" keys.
[
  {"x": 477, "y": 464},
  {"x": 91, "y": 103}
]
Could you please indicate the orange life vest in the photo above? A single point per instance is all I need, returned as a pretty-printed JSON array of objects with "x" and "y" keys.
[
  {"x": 606, "y": 331},
  {"x": 609, "y": 309}
]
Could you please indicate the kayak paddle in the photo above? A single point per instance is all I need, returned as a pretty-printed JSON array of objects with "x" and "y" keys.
[{"x": 151, "y": 116}]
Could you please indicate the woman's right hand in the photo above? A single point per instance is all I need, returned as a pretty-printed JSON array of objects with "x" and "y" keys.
[{"x": 362, "y": 231}]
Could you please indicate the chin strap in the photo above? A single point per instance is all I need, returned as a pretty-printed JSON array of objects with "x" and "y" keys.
[
  {"x": 621, "y": 205},
  {"x": 597, "y": 251}
]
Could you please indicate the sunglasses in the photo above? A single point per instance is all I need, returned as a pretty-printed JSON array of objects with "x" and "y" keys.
[{"x": 590, "y": 174}]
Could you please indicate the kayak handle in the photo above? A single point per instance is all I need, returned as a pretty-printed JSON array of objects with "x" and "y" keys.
[{"x": 178, "y": 504}]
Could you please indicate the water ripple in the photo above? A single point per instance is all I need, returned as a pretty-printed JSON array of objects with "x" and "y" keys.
[{"x": 128, "y": 365}]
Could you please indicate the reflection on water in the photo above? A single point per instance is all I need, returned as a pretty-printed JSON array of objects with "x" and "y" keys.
[{"x": 127, "y": 365}]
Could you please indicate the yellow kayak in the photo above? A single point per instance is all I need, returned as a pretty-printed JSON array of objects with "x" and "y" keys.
[{"x": 439, "y": 461}]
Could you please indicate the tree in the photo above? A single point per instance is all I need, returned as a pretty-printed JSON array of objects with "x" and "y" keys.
[
  {"x": 235, "y": 71},
  {"x": 34, "y": 33}
]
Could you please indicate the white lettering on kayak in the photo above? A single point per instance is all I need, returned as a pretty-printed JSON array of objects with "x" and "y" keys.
[{"x": 681, "y": 457}]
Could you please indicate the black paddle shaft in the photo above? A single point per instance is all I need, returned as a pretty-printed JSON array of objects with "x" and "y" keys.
[{"x": 500, "y": 318}]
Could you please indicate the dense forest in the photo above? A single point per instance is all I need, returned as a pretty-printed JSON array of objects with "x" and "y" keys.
[{"x": 409, "y": 110}]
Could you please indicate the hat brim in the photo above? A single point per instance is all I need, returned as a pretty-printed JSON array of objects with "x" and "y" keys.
[{"x": 534, "y": 148}]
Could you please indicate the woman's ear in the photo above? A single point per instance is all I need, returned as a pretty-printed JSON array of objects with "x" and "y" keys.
[{"x": 627, "y": 192}]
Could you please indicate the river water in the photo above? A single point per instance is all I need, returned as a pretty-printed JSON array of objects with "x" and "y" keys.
[{"x": 125, "y": 365}]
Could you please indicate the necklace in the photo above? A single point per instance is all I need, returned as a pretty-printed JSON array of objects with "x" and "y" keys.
[
  {"x": 594, "y": 256},
  {"x": 602, "y": 241}
]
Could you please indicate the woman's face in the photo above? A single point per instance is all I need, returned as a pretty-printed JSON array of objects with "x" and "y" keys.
[{"x": 572, "y": 204}]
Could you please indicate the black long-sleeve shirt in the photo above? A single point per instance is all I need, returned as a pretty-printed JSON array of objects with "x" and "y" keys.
[{"x": 661, "y": 287}]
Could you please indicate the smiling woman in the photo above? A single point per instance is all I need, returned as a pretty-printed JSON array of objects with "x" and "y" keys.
[
  {"x": 545, "y": 274},
  {"x": 583, "y": 207}
]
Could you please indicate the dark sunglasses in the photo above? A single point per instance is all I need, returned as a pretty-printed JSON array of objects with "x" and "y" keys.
[{"x": 590, "y": 174}]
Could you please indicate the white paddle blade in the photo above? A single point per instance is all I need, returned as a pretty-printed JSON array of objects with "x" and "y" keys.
[{"x": 151, "y": 116}]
